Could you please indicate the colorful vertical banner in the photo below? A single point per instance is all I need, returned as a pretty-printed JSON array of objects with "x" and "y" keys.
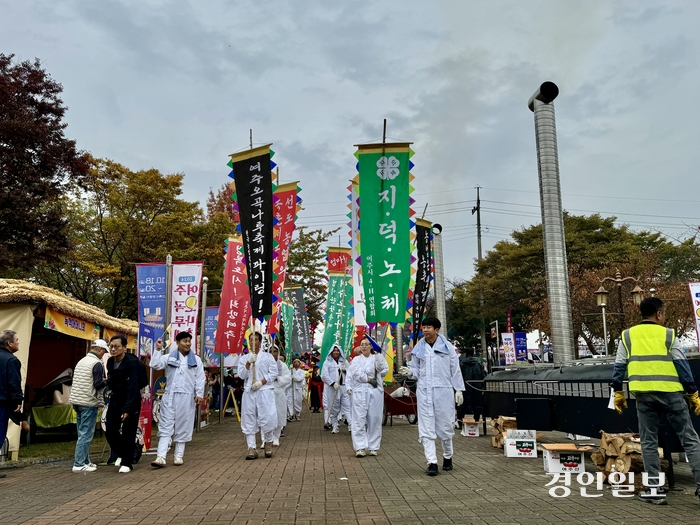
[
  {"x": 385, "y": 229},
  {"x": 338, "y": 325},
  {"x": 150, "y": 279},
  {"x": 234, "y": 308},
  {"x": 508, "y": 340},
  {"x": 209, "y": 356},
  {"x": 301, "y": 339},
  {"x": 285, "y": 205},
  {"x": 424, "y": 274},
  {"x": 695, "y": 297},
  {"x": 147, "y": 339},
  {"x": 287, "y": 315},
  {"x": 359, "y": 307},
  {"x": 520, "y": 346},
  {"x": 509, "y": 320},
  {"x": 385, "y": 338},
  {"x": 251, "y": 171},
  {"x": 184, "y": 311}
]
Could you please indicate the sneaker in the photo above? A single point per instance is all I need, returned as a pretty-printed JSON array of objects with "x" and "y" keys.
[
  {"x": 124, "y": 469},
  {"x": 327, "y": 427},
  {"x": 432, "y": 470},
  {"x": 372, "y": 453},
  {"x": 697, "y": 492},
  {"x": 446, "y": 464},
  {"x": 118, "y": 463},
  {"x": 267, "y": 447},
  {"x": 177, "y": 461},
  {"x": 360, "y": 453},
  {"x": 252, "y": 453},
  {"x": 85, "y": 468},
  {"x": 335, "y": 431},
  {"x": 290, "y": 418},
  {"x": 282, "y": 434},
  {"x": 92, "y": 464},
  {"x": 276, "y": 443},
  {"x": 658, "y": 498},
  {"x": 159, "y": 462}
]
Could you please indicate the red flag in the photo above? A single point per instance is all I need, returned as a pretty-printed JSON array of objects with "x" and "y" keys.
[{"x": 234, "y": 310}]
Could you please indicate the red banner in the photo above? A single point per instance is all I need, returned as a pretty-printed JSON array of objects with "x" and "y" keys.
[
  {"x": 284, "y": 207},
  {"x": 234, "y": 310},
  {"x": 509, "y": 321},
  {"x": 339, "y": 259}
]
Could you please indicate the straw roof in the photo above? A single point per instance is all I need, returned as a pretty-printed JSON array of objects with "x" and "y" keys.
[{"x": 17, "y": 291}]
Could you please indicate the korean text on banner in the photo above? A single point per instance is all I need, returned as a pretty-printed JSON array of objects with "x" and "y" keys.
[
  {"x": 72, "y": 326},
  {"x": 150, "y": 279},
  {"x": 508, "y": 340},
  {"x": 251, "y": 172},
  {"x": 338, "y": 322},
  {"x": 359, "y": 308},
  {"x": 209, "y": 356},
  {"x": 520, "y": 346},
  {"x": 301, "y": 338},
  {"x": 420, "y": 294},
  {"x": 234, "y": 308},
  {"x": 695, "y": 297},
  {"x": 287, "y": 315},
  {"x": 187, "y": 279},
  {"x": 385, "y": 230}
]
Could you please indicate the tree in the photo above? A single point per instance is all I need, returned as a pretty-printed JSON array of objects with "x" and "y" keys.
[
  {"x": 222, "y": 202},
  {"x": 122, "y": 217},
  {"x": 307, "y": 267},
  {"x": 37, "y": 164}
]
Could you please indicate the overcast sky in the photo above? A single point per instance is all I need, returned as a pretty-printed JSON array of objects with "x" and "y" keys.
[{"x": 177, "y": 86}]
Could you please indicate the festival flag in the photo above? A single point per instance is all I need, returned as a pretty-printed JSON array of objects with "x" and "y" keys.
[
  {"x": 359, "y": 308},
  {"x": 150, "y": 279},
  {"x": 184, "y": 306},
  {"x": 251, "y": 171},
  {"x": 300, "y": 340},
  {"x": 209, "y": 356},
  {"x": 287, "y": 315},
  {"x": 338, "y": 326},
  {"x": 424, "y": 276},
  {"x": 285, "y": 205},
  {"x": 385, "y": 228},
  {"x": 385, "y": 345},
  {"x": 234, "y": 308}
]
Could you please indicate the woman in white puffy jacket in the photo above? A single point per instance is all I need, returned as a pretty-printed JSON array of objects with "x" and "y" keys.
[{"x": 366, "y": 386}]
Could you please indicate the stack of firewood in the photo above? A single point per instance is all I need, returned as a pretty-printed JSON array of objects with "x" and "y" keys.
[
  {"x": 621, "y": 453},
  {"x": 500, "y": 425}
]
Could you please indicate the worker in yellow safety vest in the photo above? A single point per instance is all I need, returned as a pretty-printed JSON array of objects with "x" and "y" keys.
[{"x": 658, "y": 375}]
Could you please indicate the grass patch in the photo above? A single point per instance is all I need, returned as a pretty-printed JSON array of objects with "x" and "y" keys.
[{"x": 63, "y": 449}]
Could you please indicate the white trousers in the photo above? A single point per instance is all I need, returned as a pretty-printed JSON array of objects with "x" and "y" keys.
[
  {"x": 295, "y": 407},
  {"x": 258, "y": 413},
  {"x": 176, "y": 422},
  {"x": 436, "y": 422},
  {"x": 367, "y": 410},
  {"x": 341, "y": 405}
]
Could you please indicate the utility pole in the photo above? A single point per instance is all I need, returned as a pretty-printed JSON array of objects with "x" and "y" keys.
[{"x": 477, "y": 209}]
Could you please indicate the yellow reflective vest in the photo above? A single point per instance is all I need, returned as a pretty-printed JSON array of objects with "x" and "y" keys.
[{"x": 650, "y": 365}]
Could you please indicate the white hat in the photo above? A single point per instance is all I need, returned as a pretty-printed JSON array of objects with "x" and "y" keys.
[{"x": 100, "y": 343}]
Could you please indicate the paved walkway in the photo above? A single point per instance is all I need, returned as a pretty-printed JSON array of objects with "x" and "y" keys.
[{"x": 314, "y": 478}]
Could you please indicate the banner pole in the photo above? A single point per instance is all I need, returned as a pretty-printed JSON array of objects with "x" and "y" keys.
[{"x": 221, "y": 388}]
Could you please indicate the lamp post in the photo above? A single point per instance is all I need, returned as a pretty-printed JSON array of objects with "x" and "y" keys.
[
  {"x": 637, "y": 292},
  {"x": 601, "y": 297}
]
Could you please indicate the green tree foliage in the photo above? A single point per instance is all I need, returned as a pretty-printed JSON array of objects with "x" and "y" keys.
[
  {"x": 122, "y": 217},
  {"x": 512, "y": 276},
  {"x": 37, "y": 163}
]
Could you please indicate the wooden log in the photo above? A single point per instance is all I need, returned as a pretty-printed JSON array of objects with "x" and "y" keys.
[
  {"x": 636, "y": 463},
  {"x": 622, "y": 464},
  {"x": 630, "y": 447},
  {"x": 598, "y": 458}
]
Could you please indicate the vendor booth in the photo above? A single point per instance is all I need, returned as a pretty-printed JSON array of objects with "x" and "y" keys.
[{"x": 55, "y": 332}]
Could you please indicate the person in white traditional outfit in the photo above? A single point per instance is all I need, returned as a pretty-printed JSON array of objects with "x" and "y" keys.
[
  {"x": 334, "y": 377},
  {"x": 298, "y": 378},
  {"x": 282, "y": 381},
  {"x": 258, "y": 411},
  {"x": 366, "y": 389},
  {"x": 184, "y": 390},
  {"x": 435, "y": 364}
]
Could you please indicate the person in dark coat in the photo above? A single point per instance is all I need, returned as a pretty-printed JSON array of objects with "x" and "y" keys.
[
  {"x": 11, "y": 396},
  {"x": 316, "y": 389},
  {"x": 473, "y": 374},
  {"x": 125, "y": 402}
]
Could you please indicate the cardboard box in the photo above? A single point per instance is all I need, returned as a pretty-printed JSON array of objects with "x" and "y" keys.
[
  {"x": 520, "y": 444},
  {"x": 470, "y": 428},
  {"x": 564, "y": 457}
]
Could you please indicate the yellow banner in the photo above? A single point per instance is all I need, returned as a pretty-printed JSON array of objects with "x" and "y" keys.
[
  {"x": 70, "y": 325},
  {"x": 130, "y": 339}
]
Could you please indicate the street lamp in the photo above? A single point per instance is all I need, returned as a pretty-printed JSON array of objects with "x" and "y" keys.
[
  {"x": 601, "y": 297},
  {"x": 637, "y": 292}
]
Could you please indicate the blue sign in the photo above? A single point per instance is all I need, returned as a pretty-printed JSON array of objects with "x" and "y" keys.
[
  {"x": 520, "y": 346},
  {"x": 147, "y": 337},
  {"x": 150, "y": 279},
  {"x": 211, "y": 319}
]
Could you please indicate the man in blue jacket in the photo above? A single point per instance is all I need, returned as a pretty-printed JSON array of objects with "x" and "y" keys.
[{"x": 10, "y": 383}]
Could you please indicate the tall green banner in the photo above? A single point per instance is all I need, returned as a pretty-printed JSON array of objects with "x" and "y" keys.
[
  {"x": 385, "y": 229},
  {"x": 339, "y": 326},
  {"x": 287, "y": 314}
]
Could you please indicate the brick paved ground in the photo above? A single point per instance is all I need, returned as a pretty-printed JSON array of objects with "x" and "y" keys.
[{"x": 304, "y": 484}]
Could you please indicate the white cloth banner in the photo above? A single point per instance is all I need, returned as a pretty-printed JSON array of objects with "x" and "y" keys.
[
  {"x": 695, "y": 297},
  {"x": 508, "y": 347},
  {"x": 360, "y": 310},
  {"x": 184, "y": 309}
]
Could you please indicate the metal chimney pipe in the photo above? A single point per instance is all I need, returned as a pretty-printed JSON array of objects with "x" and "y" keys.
[
  {"x": 556, "y": 267},
  {"x": 439, "y": 278}
]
